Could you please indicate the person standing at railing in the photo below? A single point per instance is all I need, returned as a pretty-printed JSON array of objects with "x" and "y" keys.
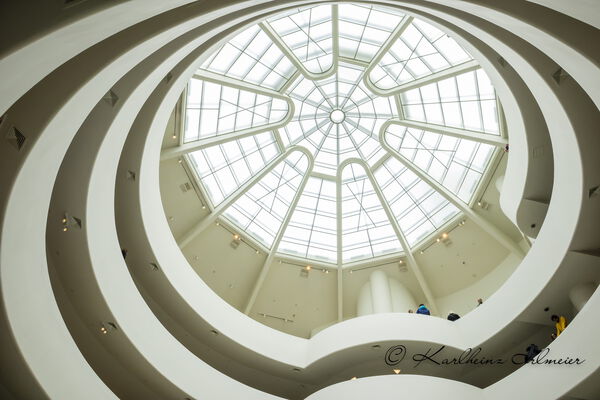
[
  {"x": 560, "y": 323},
  {"x": 423, "y": 310}
]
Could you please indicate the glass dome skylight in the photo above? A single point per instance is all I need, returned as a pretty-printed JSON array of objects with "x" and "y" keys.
[{"x": 340, "y": 133}]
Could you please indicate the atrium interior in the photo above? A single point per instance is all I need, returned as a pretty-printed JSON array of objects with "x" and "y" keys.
[{"x": 217, "y": 200}]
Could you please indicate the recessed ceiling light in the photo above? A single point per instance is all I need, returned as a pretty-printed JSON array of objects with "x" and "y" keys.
[{"x": 396, "y": 371}]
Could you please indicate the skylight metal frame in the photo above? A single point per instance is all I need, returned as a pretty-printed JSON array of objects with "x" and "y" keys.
[{"x": 498, "y": 140}]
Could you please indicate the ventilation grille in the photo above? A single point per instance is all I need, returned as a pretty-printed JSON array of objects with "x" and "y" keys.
[
  {"x": 185, "y": 187},
  {"x": 560, "y": 75},
  {"x": 111, "y": 98},
  {"x": 16, "y": 138}
]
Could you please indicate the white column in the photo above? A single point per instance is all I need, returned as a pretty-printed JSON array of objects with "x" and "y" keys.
[{"x": 381, "y": 296}]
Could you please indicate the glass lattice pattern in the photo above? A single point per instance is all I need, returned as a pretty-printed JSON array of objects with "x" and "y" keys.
[
  {"x": 226, "y": 167},
  {"x": 213, "y": 109},
  {"x": 419, "y": 51},
  {"x": 419, "y": 209},
  {"x": 309, "y": 35},
  {"x": 366, "y": 230},
  {"x": 252, "y": 57},
  {"x": 336, "y": 119},
  {"x": 261, "y": 210},
  {"x": 458, "y": 164},
  {"x": 332, "y": 143},
  {"x": 312, "y": 232},
  {"x": 465, "y": 101},
  {"x": 364, "y": 29}
]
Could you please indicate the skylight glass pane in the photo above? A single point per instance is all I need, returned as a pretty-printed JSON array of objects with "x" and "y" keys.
[
  {"x": 420, "y": 50},
  {"x": 465, "y": 101},
  {"x": 419, "y": 209},
  {"x": 458, "y": 164},
  {"x": 336, "y": 119},
  {"x": 312, "y": 230},
  {"x": 214, "y": 109},
  {"x": 366, "y": 230},
  {"x": 364, "y": 29},
  {"x": 308, "y": 34},
  {"x": 251, "y": 56},
  {"x": 332, "y": 143},
  {"x": 261, "y": 210},
  {"x": 225, "y": 167}
]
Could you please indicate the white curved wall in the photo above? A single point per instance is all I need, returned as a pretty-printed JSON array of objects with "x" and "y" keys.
[{"x": 44, "y": 358}]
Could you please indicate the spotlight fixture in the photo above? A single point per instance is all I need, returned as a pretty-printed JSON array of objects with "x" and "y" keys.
[
  {"x": 422, "y": 252},
  {"x": 353, "y": 378},
  {"x": 308, "y": 268},
  {"x": 65, "y": 229},
  {"x": 445, "y": 235},
  {"x": 437, "y": 240},
  {"x": 180, "y": 160},
  {"x": 396, "y": 371},
  {"x": 174, "y": 136},
  {"x": 483, "y": 204},
  {"x": 236, "y": 236}
]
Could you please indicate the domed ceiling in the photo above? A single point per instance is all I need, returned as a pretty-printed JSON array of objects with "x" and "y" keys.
[{"x": 324, "y": 120}]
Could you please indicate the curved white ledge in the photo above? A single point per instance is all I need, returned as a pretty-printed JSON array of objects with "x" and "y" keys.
[
  {"x": 276, "y": 345},
  {"x": 393, "y": 387},
  {"x": 570, "y": 222}
]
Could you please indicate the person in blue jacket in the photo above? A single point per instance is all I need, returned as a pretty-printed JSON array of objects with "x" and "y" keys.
[{"x": 423, "y": 310}]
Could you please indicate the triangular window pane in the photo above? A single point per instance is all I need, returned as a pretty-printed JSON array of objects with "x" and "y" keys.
[
  {"x": 225, "y": 167},
  {"x": 458, "y": 164},
  {"x": 421, "y": 50},
  {"x": 312, "y": 229},
  {"x": 366, "y": 230},
  {"x": 261, "y": 210},
  {"x": 418, "y": 208},
  {"x": 214, "y": 109},
  {"x": 252, "y": 57},
  {"x": 466, "y": 101},
  {"x": 308, "y": 34}
]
